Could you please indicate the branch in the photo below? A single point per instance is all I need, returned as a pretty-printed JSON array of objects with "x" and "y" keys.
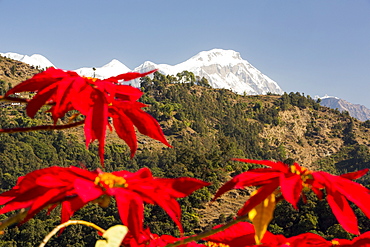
[
  {"x": 21, "y": 100},
  {"x": 208, "y": 233},
  {"x": 70, "y": 222},
  {"x": 42, "y": 127},
  {"x": 13, "y": 219},
  {"x": 14, "y": 99}
]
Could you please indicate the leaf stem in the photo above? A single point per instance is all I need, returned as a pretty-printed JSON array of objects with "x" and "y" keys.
[
  {"x": 42, "y": 127},
  {"x": 13, "y": 219},
  {"x": 70, "y": 222},
  {"x": 208, "y": 233},
  {"x": 13, "y": 99}
]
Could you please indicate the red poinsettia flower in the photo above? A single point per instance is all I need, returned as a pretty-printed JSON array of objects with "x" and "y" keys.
[
  {"x": 97, "y": 100},
  {"x": 74, "y": 187},
  {"x": 308, "y": 240},
  {"x": 361, "y": 241},
  {"x": 148, "y": 239},
  {"x": 292, "y": 179},
  {"x": 242, "y": 235}
]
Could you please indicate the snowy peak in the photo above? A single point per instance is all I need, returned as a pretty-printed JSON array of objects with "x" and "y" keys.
[
  {"x": 223, "y": 69},
  {"x": 113, "y": 68},
  {"x": 35, "y": 60},
  {"x": 355, "y": 110},
  {"x": 146, "y": 66},
  {"x": 217, "y": 56},
  {"x": 116, "y": 64}
]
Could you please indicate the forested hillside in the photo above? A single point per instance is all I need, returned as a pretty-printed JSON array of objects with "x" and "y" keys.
[{"x": 206, "y": 127}]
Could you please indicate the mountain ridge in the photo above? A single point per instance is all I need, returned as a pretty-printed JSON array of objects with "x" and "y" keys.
[
  {"x": 207, "y": 127},
  {"x": 223, "y": 69},
  {"x": 355, "y": 110}
]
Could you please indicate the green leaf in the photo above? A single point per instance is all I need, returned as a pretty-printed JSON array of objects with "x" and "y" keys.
[{"x": 113, "y": 236}]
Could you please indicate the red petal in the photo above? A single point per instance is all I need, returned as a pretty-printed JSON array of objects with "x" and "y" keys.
[
  {"x": 10, "y": 206},
  {"x": 229, "y": 185},
  {"x": 257, "y": 198},
  {"x": 125, "y": 92},
  {"x": 146, "y": 124},
  {"x": 50, "y": 181},
  {"x": 274, "y": 165},
  {"x": 39, "y": 81},
  {"x": 353, "y": 191},
  {"x": 291, "y": 188},
  {"x": 342, "y": 211},
  {"x": 254, "y": 177},
  {"x": 361, "y": 241},
  {"x": 87, "y": 190},
  {"x": 169, "y": 205},
  {"x": 240, "y": 234},
  {"x": 50, "y": 197},
  {"x": 65, "y": 95},
  {"x": 96, "y": 123},
  {"x": 308, "y": 240},
  {"x": 125, "y": 129},
  {"x": 180, "y": 187},
  {"x": 83, "y": 98},
  {"x": 39, "y": 100},
  {"x": 130, "y": 209},
  {"x": 68, "y": 209},
  {"x": 355, "y": 175}
]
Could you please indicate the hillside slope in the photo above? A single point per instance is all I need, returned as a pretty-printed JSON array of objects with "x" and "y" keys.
[{"x": 207, "y": 127}]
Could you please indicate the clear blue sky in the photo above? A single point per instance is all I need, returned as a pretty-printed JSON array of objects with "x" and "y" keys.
[{"x": 316, "y": 47}]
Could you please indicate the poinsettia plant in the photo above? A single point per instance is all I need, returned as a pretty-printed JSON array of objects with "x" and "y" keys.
[
  {"x": 109, "y": 104},
  {"x": 97, "y": 100}
]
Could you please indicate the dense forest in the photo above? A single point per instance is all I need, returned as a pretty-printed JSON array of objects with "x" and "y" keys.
[{"x": 206, "y": 127}]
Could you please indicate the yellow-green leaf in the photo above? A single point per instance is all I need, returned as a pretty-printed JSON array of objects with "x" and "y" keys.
[
  {"x": 261, "y": 216},
  {"x": 113, "y": 236}
]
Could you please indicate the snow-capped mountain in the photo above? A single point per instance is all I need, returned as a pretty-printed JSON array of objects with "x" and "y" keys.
[
  {"x": 35, "y": 60},
  {"x": 355, "y": 110},
  {"x": 223, "y": 69},
  {"x": 112, "y": 68}
]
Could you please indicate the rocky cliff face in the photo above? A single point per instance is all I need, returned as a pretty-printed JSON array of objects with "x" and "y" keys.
[{"x": 355, "y": 110}]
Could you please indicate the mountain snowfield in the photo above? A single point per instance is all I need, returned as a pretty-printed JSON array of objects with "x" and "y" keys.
[
  {"x": 112, "y": 68},
  {"x": 223, "y": 69},
  {"x": 35, "y": 60}
]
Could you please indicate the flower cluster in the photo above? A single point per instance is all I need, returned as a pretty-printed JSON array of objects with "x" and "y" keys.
[
  {"x": 291, "y": 181},
  {"x": 242, "y": 235},
  {"x": 74, "y": 187},
  {"x": 97, "y": 100}
]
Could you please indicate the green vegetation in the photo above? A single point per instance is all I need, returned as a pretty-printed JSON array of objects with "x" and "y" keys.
[{"x": 207, "y": 127}]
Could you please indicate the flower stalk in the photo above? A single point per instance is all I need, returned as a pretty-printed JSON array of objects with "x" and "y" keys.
[
  {"x": 68, "y": 223},
  {"x": 209, "y": 232}
]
